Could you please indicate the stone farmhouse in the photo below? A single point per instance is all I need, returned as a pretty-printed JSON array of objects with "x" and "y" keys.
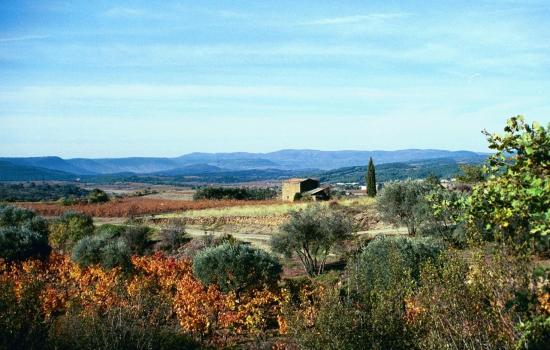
[{"x": 294, "y": 189}]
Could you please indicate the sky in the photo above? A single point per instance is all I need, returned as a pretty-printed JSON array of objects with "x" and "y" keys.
[{"x": 165, "y": 78}]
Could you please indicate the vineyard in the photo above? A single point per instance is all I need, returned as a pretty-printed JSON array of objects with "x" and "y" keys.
[
  {"x": 135, "y": 206},
  {"x": 58, "y": 288}
]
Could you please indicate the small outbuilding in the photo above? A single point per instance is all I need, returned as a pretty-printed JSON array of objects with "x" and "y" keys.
[
  {"x": 296, "y": 188},
  {"x": 320, "y": 193}
]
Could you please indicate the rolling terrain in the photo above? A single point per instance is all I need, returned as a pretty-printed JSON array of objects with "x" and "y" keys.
[
  {"x": 201, "y": 174},
  {"x": 291, "y": 160}
]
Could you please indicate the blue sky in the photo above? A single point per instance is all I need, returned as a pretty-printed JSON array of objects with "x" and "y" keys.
[{"x": 109, "y": 79}]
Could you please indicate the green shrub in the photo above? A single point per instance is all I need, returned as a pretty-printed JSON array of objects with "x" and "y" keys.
[
  {"x": 371, "y": 265},
  {"x": 87, "y": 251},
  {"x": 21, "y": 243},
  {"x": 103, "y": 250},
  {"x": 112, "y": 246},
  {"x": 22, "y": 234},
  {"x": 238, "y": 193},
  {"x": 97, "y": 196},
  {"x": 172, "y": 237},
  {"x": 12, "y": 216},
  {"x": 512, "y": 205},
  {"x": 116, "y": 253},
  {"x": 367, "y": 310},
  {"x": 535, "y": 334},
  {"x": 236, "y": 267},
  {"x": 68, "y": 229},
  {"x": 363, "y": 313},
  {"x": 110, "y": 230},
  {"x": 472, "y": 301},
  {"x": 136, "y": 239}
]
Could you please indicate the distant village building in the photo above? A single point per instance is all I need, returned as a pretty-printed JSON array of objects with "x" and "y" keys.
[{"x": 294, "y": 189}]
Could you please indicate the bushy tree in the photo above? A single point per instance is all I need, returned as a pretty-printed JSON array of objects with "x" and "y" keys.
[
  {"x": 441, "y": 216},
  {"x": 403, "y": 203},
  {"x": 112, "y": 246},
  {"x": 371, "y": 179},
  {"x": 311, "y": 233},
  {"x": 368, "y": 311},
  {"x": 137, "y": 239},
  {"x": 68, "y": 229},
  {"x": 172, "y": 237},
  {"x": 236, "y": 267},
  {"x": 475, "y": 301},
  {"x": 514, "y": 203},
  {"x": 87, "y": 251},
  {"x": 22, "y": 234},
  {"x": 97, "y": 196},
  {"x": 412, "y": 253},
  {"x": 238, "y": 193},
  {"x": 471, "y": 173}
]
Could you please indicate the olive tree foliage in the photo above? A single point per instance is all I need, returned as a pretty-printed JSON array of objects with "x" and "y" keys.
[
  {"x": 366, "y": 310},
  {"x": 22, "y": 234},
  {"x": 236, "y": 267},
  {"x": 514, "y": 203},
  {"x": 311, "y": 234},
  {"x": 403, "y": 203},
  {"x": 112, "y": 246}
]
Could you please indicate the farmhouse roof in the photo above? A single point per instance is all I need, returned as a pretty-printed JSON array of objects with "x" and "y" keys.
[
  {"x": 318, "y": 189},
  {"x": 296, "y": 180}
]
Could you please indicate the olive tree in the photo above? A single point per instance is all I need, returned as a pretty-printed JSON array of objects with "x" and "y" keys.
[
  {"x": 236, "y": 267},
  {"x": 404, "y": 203},
  {"x": 311, "y": 233}
]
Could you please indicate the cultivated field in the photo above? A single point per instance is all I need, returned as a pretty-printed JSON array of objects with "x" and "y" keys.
[{"x": 134, "y": 206}]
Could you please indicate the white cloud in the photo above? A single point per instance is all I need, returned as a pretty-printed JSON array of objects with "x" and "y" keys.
[
  {"x": 23, "y": 38},
  {"x": 175, "y": 92}
]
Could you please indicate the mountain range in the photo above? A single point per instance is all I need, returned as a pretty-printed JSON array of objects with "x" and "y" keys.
[
  {"x": 233, "y": 167},
  {"x": 211, "y": 162}
]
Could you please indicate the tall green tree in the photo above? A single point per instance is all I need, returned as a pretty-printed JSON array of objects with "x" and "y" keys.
[
  {"x": 371, "y": 179},
  {"x": 514, "y": 202}
]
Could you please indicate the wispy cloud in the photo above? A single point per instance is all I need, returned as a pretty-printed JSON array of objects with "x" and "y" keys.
[
  {"x": 356, "y": 18},
  {"x": 118, "y": 12},
  {"x": 136, "y": 13},
  {"x": 175, "y": 92},
  {"x": 23, "y": 38}
]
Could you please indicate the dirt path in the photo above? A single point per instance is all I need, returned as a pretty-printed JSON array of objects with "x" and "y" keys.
[{"x": 261, "y": 240}]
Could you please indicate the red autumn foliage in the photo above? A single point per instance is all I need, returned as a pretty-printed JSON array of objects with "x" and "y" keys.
[{"x": 134, "y": 206}]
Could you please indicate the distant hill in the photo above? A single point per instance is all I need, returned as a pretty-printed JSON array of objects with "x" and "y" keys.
[
  {"x": 140, "y": 165},
  {"x": 16, "y": 172},
  {"x": 52, "y": 163},
  {"x": 418, "y": 169},
  {"x": 199, "y": 177},
  {"x": 194, "y": 169},
  {"x": 313, "y": 159},
  {"x": 238, "y": 161}
]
